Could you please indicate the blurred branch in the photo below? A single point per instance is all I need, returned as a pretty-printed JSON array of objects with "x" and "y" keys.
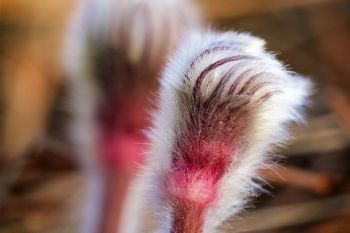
[
  {"x": 216, "y": 10},
  {"x": 291, "y": 215},
  {"x": 320, "y": 135},
  {"x": 340, "y": 103},
  {"x": 308, "y": 180}
]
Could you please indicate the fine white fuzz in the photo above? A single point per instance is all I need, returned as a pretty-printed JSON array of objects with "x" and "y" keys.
[
  {"x": 220, "y": 93},
  {"x": 135, "y": 31},
  {"x": 107, "y": 39},
  {"x": 140, "y": 31}
]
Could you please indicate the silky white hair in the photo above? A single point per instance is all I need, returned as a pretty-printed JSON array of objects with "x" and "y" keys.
[
  {"x": 146, "y": 32},
  {"x": 117, "y": 24},
  {"x": 274, "y": 94}
]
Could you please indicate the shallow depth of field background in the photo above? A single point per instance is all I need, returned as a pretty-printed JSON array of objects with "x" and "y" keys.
[{"x": 40, "y": 183}]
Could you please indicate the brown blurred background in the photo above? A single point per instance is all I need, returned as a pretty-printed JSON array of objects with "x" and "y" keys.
[{"x": 39, "y": 180}]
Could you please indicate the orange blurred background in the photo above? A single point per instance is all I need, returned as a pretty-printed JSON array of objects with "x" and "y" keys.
[{"x": 311, "y": 191}]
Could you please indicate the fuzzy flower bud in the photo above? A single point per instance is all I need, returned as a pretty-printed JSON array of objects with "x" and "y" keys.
[{"x": 224, "y": 105}]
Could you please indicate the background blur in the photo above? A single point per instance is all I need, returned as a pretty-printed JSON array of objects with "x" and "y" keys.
[{"x": 310, "y": 193}]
